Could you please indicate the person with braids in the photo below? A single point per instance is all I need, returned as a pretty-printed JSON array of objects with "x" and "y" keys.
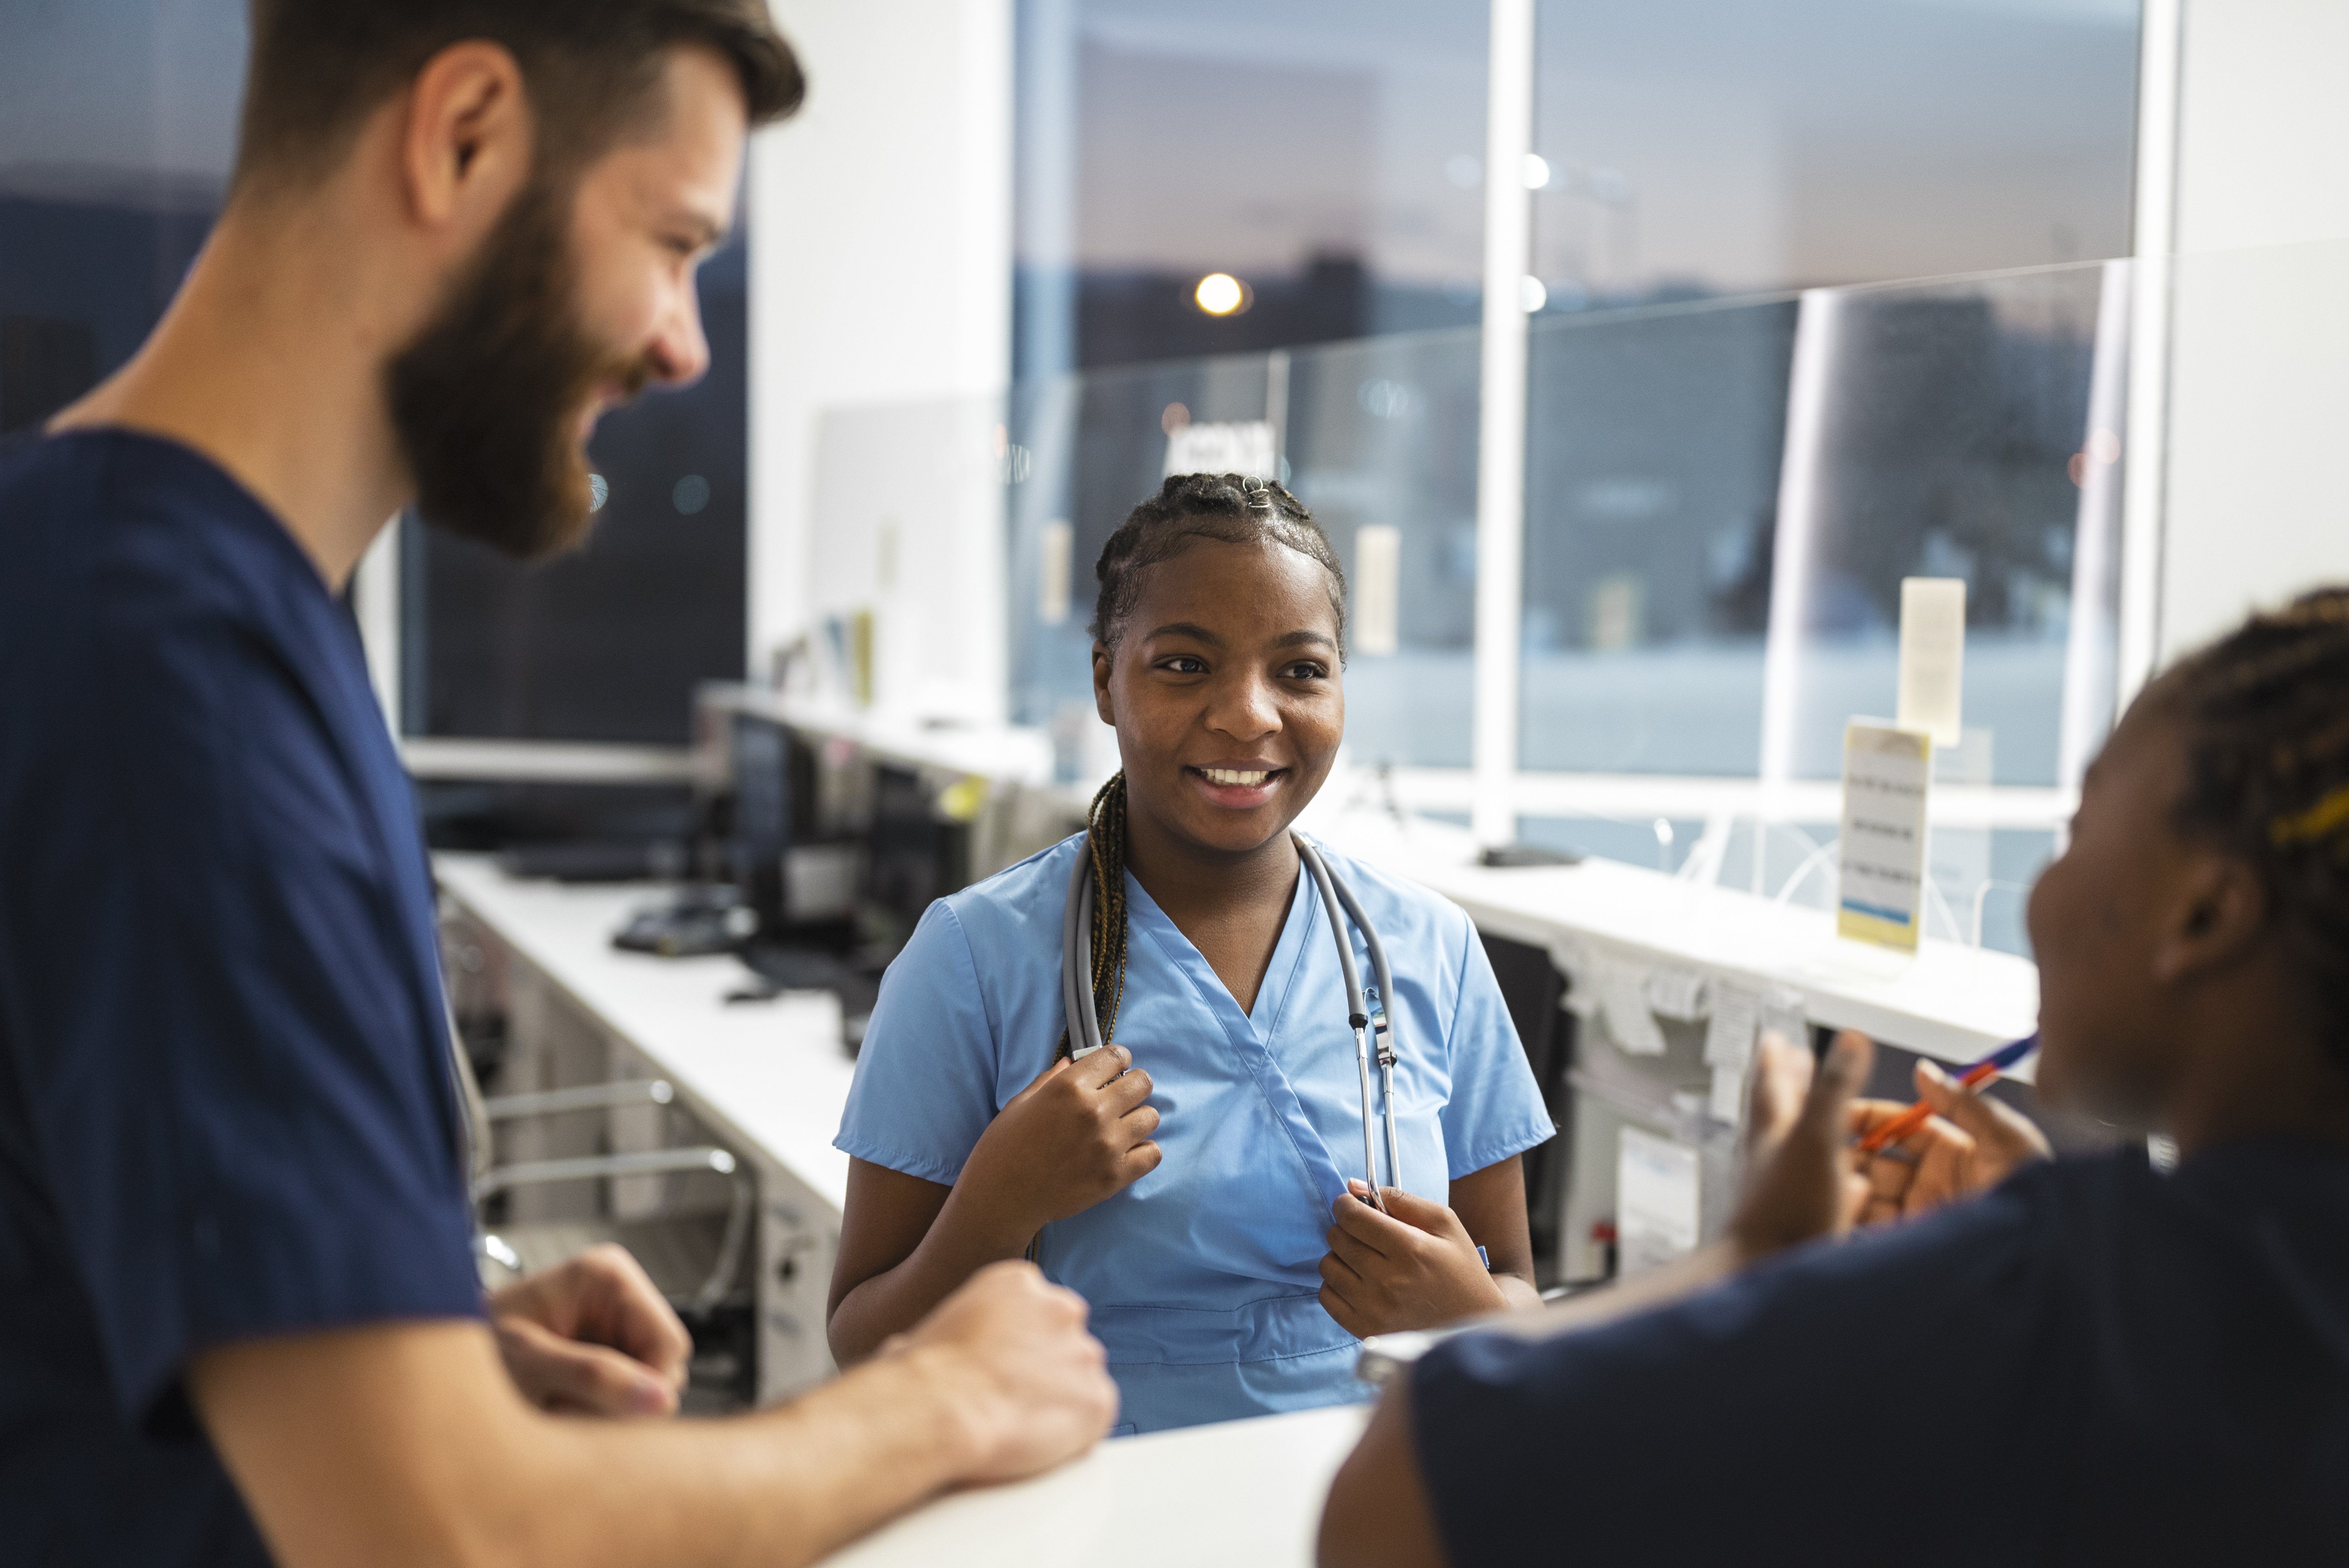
[
  {"x": 2097, "y": 1361},
  {"x": 1193, "y": 1179}
]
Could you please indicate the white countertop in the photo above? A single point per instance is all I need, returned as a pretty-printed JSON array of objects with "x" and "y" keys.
[
  {"x": 1949, "y": 1001},
  {"x": 1240, "y": 1494},
  {"x": 769, "y": 1076}
]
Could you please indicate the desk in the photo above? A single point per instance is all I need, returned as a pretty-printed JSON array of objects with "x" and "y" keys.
[
  {"x": 769, "y": 1079},
  {"x": 1241, "y": 1495}
]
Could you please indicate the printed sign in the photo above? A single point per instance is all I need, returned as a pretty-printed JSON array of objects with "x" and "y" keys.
[
  {"x": 1887, "y": 771},
  {"x": 1239, "y": 449}
]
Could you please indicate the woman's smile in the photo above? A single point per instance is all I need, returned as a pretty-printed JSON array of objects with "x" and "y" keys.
[{"x": 1237, "y": 789}]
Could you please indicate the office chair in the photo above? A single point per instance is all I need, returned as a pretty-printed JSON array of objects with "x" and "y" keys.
[{"x": 695, "y": 1260}]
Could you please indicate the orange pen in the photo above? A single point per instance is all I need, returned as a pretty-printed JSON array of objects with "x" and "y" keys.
[{"x": 1982, "y": 1072}]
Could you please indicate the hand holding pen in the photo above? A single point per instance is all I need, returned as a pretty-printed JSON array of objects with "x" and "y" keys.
[{"x": 1953, "y": 1143}]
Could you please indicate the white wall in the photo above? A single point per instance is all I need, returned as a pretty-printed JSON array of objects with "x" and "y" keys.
[
  {"x": 2257, "y": 497},
  {"x": 880, "y": 262},
  {"x": 909, "y": 503}
]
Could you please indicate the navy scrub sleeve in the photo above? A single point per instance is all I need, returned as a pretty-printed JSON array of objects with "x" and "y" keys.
[
  {"x": 2095, "y": 1364},
  {"x": 226, "y": 1110}
]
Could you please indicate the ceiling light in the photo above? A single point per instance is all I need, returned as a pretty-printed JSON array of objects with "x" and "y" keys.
[{"x": 1220, "y": 294}]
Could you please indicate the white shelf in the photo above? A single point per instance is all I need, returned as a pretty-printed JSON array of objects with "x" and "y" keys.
[{"x": 1952, "y": 1002}]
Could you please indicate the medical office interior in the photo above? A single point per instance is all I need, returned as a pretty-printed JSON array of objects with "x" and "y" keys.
[{"x": 1688, "y": 388}]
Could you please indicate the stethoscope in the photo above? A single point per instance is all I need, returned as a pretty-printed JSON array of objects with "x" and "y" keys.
[{"x": 1339, "y": 900}]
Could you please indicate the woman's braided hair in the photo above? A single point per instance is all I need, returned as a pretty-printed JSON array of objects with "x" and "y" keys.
[
  {"x": 2265, "y": 711},
  {"x": 1229, "y": 509}
]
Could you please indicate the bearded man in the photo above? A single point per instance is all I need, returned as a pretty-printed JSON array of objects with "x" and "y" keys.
[{"x": 238, "y": 1313}]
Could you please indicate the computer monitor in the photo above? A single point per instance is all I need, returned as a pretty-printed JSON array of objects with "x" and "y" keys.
[
  {"x": 770, "y": 828},
  {"x": 916, "y": 855}
]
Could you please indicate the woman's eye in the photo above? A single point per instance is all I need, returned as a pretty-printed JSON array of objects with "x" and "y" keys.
[
  {"x": 1184, "y": 664},
  {"x": 1306, "y": 671}
]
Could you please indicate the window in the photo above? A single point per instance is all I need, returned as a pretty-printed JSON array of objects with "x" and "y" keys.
[
  {"x": 118, "y": 126},
  {"x": 1945, "y": 177}
]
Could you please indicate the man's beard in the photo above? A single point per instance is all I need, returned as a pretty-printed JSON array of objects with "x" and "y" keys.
[{"x": 486, "y": 399}]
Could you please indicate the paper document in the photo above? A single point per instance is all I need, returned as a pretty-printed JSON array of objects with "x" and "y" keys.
[
  {"x": 1729, "y": 1037},
  {"x": 1880, "y": 897},
  {"x": 1785, "y": 1018},
  {"x": 1727, "y": 1102},
  {"x": 1656, "y": 1188},
  {"x": 1246, "y": 447},
  {"x": 1378, "y": 588},
  {"x": 1055, "y": 543},
  {"x": 1623, "y": 995},
  {"x": 1677, "y": 994},
  {"x": 1933, "y": 656}
]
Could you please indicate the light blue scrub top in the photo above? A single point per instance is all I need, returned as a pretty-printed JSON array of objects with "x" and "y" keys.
[{"x": 1202, "y": 1276}]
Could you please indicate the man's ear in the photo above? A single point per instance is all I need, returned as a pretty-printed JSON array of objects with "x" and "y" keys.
[
  {"x": 465, "y": 140},
  {"x": 2219, "y": 910},
  {"x": 1102, "y": 702}
]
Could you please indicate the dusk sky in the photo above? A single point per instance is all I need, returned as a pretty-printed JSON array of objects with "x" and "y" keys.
[
  {"x": 1739, "y": 145},
  {"x": 1735, "y": 145}
]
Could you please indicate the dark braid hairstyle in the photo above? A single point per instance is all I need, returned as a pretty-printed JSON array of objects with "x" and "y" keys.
[
  {"x": 2265, "y": 712},
  {"x": 1228, "y": 508}
]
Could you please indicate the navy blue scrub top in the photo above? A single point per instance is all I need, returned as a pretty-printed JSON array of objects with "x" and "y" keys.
[
  {"x": 225, "y": 1106},
  {"x": 2095, "y": 1364}
]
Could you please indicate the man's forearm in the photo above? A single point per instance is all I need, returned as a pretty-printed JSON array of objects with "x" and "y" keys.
[
  {"x": 783, "y": 1488},
  {"x": 451, "y": 1466}
]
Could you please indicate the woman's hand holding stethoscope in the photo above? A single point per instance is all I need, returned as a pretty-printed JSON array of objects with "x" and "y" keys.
[
  {"x": 1078, "y": 1133},
  {"x": 1413, "y": 1267}
]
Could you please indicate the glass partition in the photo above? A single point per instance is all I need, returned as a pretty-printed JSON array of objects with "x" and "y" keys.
[
  {"x": 1652, "y": 478},
  {"x": 1722, "y": 498}
]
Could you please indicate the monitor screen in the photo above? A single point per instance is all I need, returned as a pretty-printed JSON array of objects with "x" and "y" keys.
[{"x": 761, "y": 827}]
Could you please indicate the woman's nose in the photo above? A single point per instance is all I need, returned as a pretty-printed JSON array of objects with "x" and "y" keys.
[{"x": 1244, "y": 707}]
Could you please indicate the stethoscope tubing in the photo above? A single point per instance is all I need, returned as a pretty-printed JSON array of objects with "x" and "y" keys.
[
  {"x": 1388, "y": 1049},
  {"x": 1338, "y": 903}
]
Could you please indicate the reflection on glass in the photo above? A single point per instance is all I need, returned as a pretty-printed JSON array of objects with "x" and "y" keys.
[
  {"x": 1706, "y": 147},
  {"x": 1652, "y": 449},
  {"x": 1382, "y": 447},
  {"x": 1944, "y": 430},
  {"x": 117, "y": 124},
  {"x": 1320, "y": 155},
  {"x": 1723, "y": 499}
]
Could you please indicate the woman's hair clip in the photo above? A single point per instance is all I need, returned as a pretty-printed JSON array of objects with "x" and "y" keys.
[{"x": 2318, "y": 821}]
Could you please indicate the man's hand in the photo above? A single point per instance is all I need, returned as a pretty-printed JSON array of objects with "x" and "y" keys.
[
  {"x": 1799, "y": 1181},
  {"x": 1414, "y": 1267},
  {"x": 1023, "y": 1383},
  {"x": 1077, "y": 1134},
  {"x": 386, "y": 1444},
  {"x": 1971, "y": 1144},
  {"x": 592, "y": 1336}
]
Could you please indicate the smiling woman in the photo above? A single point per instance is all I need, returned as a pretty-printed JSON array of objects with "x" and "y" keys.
[{"x": 1190, "y": 1180}]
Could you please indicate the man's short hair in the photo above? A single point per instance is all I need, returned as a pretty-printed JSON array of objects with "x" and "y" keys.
[{"x": 591, "y": 67}]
